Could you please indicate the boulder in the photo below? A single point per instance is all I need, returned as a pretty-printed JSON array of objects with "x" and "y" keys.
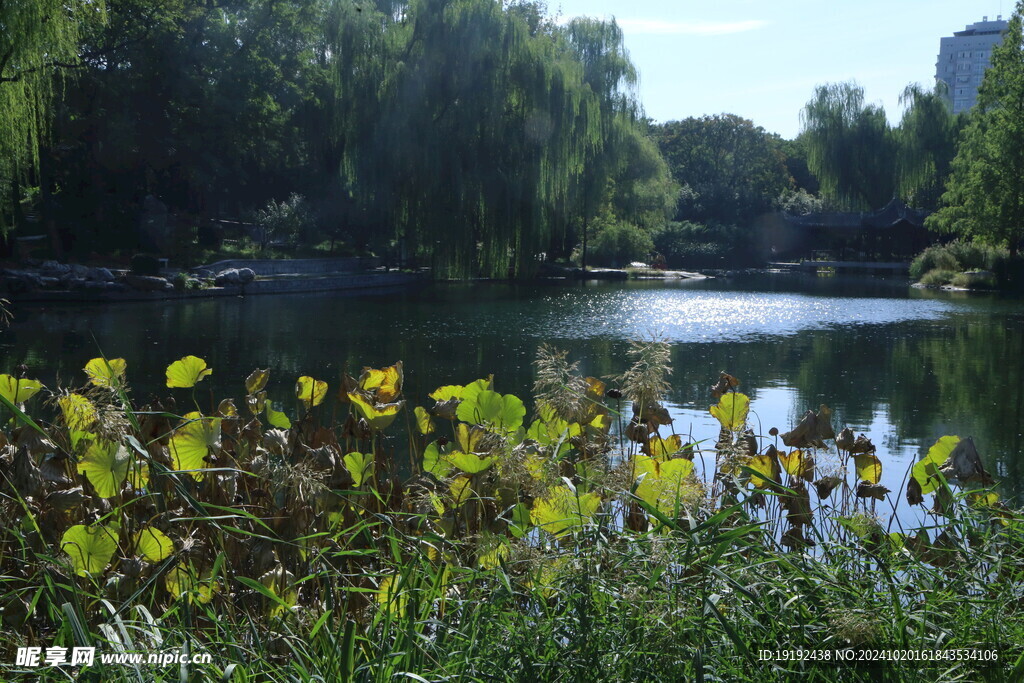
[
  {"x": 54, "y": 269},
  {"x": 148, "y": 283},
  {"x": 235, "y": 276},
  {"x": 99, "y": 275}
]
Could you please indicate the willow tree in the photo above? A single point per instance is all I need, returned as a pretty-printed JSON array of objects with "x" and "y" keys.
[
  {"x": 850, "y": 148},
  {"x": 37, "y": 39},
  {"x": 610, "y": 79},
  {"x": 927, "y": 137}
]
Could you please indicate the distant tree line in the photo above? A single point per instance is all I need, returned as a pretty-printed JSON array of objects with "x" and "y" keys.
[{"x": 474, "y": 136}]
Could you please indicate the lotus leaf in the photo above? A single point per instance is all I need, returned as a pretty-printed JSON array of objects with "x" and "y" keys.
[
  {"x": 191, "y": 443},
  {"x": 387, "y": 381},
  {"x": 434, "y": 461},
  {"x": 925, "y": 471},
  {"x": 471, "y": 463},
  {"x": 257, "y": 381},
  {"x": 153, "y": 544},
  {"x": 18, "y": 391},
  {"x": 89, "y": 547},
  {"x": 379, "y": 416},
  {"x": 106, "y": 372},
  {"x": 732, "y": 410},
  {"x": 869, "y": 467},
  {"x": 105, "y": 465},
  {"x": 460, "y": 490},
  {"x": 360, "y": 466},
  {"x": 277, "y": 418},
  {"x": 310, "y": 391},
  {"x": 187, "y": 372},
  {"x": 423, "y": 421}
]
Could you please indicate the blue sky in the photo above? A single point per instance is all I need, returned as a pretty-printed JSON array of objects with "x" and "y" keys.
[{"x": 761, "y": 59}]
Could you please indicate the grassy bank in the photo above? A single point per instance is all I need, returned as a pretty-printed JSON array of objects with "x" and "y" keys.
[
  {"x": 587, "y": 542},
  {"x": 967, "y": 265}
]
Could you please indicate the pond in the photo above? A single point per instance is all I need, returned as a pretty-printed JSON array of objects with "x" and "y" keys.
[{"x": 902, "y": 366}]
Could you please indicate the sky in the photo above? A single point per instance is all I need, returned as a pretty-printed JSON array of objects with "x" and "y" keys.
[{"x": 761, "y": 59}]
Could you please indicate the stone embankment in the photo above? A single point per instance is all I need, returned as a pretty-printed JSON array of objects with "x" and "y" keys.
[{"x": 53, "y": 281}]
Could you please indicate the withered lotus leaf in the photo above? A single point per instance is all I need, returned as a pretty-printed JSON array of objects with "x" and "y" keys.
[
  {"x": 826, "y": 485},
  {"x": 964, "y": 465},
  {"x": 866, "y": 489},
  {"x": 812, "y": 431},
  {"x": 257, "y": 381}
]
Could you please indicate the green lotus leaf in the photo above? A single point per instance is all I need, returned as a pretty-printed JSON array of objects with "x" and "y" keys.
[
  {"x": 276, "y": 418},
  {"x": 106, "y": 372},
  {"x": 563, "y": 510},
  {"x": 105, "y": 465},
  {"x": 434, "y": 460},
  {"x": 926, "y": 471},
  {"x": 191, "y": 443},
  {"x": 18, "y": 391},
  {"x": 153, "y": 544},
  {"x": 521, "y": 522},
  {"x": 732, "y": 411},
  {"x": 360, "y": 466},
  {"x": 471, "y": 463},
  {"x": 89, "y": 547},
  {"x": 188, "y": 371},
  {"x": 182, "y": 580},
  {"x": 489, "y": 407},
  {"x": 310, "y": 391}
]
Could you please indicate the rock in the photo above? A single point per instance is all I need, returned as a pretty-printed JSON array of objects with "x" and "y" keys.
[
  {"x": 100, "y": 275},
  {"x": 235, "y": 276},
  {"x": 148, "y": 283},
  {"x": 49, "y": 282},
  {"x": 79, "y": 271},
  {"x": 54, "y": 269},
  {"x": 204, "y": 273},
  {"x": 19, "y": 282}
]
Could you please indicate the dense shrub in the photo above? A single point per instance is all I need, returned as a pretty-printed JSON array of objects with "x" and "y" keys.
[{"x": 617, "y": 244}]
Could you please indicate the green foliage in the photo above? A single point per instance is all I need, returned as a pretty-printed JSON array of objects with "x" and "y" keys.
[
  {"x": 850, "y": 148},
  {"x": 985, "y": 193},
  {"x": 733, "y": 170},
  {"x": 616, "y": 244},
  {"x": 689, "y": 244},
  {"x": 927, "y": 137},
  {"x": 937, "y": 277},
  {"x": 288, "y": 221}
]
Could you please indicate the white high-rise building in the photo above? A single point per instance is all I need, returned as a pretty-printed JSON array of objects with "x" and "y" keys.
[{"x": 963, "y": 58}]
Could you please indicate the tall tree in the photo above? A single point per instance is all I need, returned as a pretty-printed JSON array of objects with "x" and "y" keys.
[
  {"x": 732, "y": 169},
  {"x": 985, "y": 193},
  {"x": 38, "y": 38},
  {"x": 850, "y": 148},
  {"x": 926, "y": 145}
]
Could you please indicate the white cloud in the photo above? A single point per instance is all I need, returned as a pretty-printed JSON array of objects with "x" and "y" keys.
[{"x": 688, "y": 28}]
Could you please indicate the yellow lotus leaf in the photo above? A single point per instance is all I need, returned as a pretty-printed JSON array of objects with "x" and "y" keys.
[
  {"x": 387, "y": 381},
  {"x": 662, "y": 483},
  {"x": 105, "y": 465},
  {"x": 106, "y": 372},
  {"x": 380, "y": 416},
  {"x": 185, "y": 373},
  {"x": 18, "y": 390},
  {"x": 89, "y": 547},
  {"x": 869, "y": 467},
  {"x": 564, "y": 509},
  {"x": 732, "y": 411},
  {"x": 447, "y": 392},
  {"x": 310, "y": 391},
  {"x": 191, "y": 443},
  {"x": 797, "y": 464},
  {"x": 664, "y": 448},
  {"x": 79, "y": 412},
  {"x": 360, "y": 466},
  {"x": 460, "y": 490},
  {"x": 765, "y": 466},
  {"x": 423, "y": 421},
  {"x": 153, "y": 544},
  {"x": 256, "y": 381},
  {"x": 534, "y": 464}
]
